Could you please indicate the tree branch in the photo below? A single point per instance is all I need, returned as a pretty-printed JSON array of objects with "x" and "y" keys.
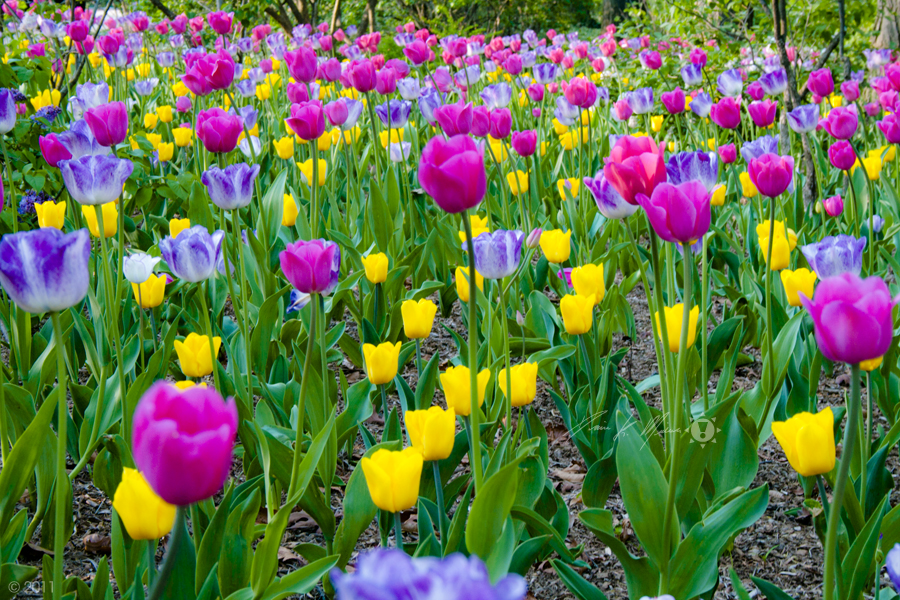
[{"x": 163, "y": 8}]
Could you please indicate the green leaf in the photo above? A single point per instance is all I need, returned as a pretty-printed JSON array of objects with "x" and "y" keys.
[
  {"x": 13, "y": 578},
  {"x": 300, "y": 581},
  {"x": 770, "y": 590},
  {"x": 578, "y": 585},
  {"x": 491, "y": 507},
  {"x": 640, "y": 574}
]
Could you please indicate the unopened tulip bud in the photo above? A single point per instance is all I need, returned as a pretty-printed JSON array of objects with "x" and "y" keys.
[{"x": 534, "y": 238}]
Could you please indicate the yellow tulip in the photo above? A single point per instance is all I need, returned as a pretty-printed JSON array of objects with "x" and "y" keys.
[
  {"x": 176, "y": 226},
  {"x": 886, "y": 153},
  {"x": 284, "y": 147},
  {"x": 518, "y": 182},
  {"x": 462, "y": 282},
  {"x": 870, "y": 365},
  {"x": 577, "y": 313},
  {"x": 432, "y": 431},
  {"x": 164, "y": 113},
  {"x": 559, "y": 128},
  {"x": 808, "y": 441},
  {"x": 110, "y": 219},
  {"x": 762, "y": 232},
  {"x": 193, "y": 354},
  {"x": 674, "y": 317},
  {"x": 95, "y": 60},
  {"x": 351, "y": 135},
  {"x": 671, "y": 146},
  {"x": 143, "y": 69},
  {"x": 376, "y": 266},
  {"x": 396, "y": 137},
  {"x": 588, "y": 281},
  {"x": 51, "y": 214},
  {"x": 544, "y": 146},
  {"x": 498, "y": 149},
  {"x": 479, "y": 225},
  {"x": 150, "y": 293},
  {"x": 145, "y": 515},
  {"x": 183, "y": 136},
  {"x": 187, "y": 384},
  {"x": 835, "y": 101},
  {"x": 166, "y": 151},
  {"x": 263, "y": 91},
  {"x": 381, "y": 361},
  {"x": 781, "y": 252},
  {"x": 872, "y": 166},
  {"x": 797, "y": 282},
  {"x": 556, "y": 246},
  {"x": 418, "y": 318},
  {"x": 179, "y": 89},
  {"x": 45, "y": 99},
  {"x": 393, "y": 478},
  {"x": 275, "y": 64},
  {"x": 150, "y": 120},
  {"x": 306, "y": 170},
  {"x": 570, "y": 140},
  {"x": 656, "y": 122},
  {"x": 457, "y": 388},
  {"x": 523, "y": 383},
  {"x": 747, "y": 188},
  {"x": 155, "y": 139},
  {"x": 290, "y": 212},
  {"x": 711, "y": 142},
  {"x": 718, "y": 196}
]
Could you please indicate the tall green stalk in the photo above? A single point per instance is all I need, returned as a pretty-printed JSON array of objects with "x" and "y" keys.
[
  {"x": 475, "y": 415},
  {"x": 301, "y": 402},
  {"x": 62, "y": 480}
]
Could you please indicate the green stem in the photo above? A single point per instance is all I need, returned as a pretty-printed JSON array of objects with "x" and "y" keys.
[
  {"x": 663, "y": 330},
  {"x": 770, "y": 331},
  {"x": 834, "y": 515},
  {"x": 14, "y": 205},
  {"x": 62, "y": 480},
  {"x": 398, "y": 531},
  {"x": 245, "y": 305},
  {"x": 704, "y": 268},
  {"x": 439, "y": 496},
  {"x": 209, "y": 333},
  {"x": 505, "y": 325},
  {"x": 473, "y": 354},
  {"x": 301, "y": 403},
  {"x": 178, "y": 531}
]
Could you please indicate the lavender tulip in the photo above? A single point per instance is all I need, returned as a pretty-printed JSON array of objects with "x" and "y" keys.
[
  {"x": 767, "y": 144},
  {"x": 409, "y": 88},
  {"x": 692, "y": 75},
  {"x": 7, "y": 111},
  {"x": 165, "y": 59},
  {"x": 45, "y": 269},
  {"x": 701, "y": 105},
  {"x": 193, "y": 254},
  {"x": 565, "y": 112},
  {"x": 641, "y": 100},
  {"x": 399, "y": 151},
  {"x": 892, "y": 562},
  {"x": 80, "y": 141},
  {"x": 609, "y": 202},
  {"x": 394, "y": 575},
  {"x": 429, "y": 101},
  {"x": 354, "y": 110},
  {"x": 545, "y": 73},
  {"x": 804, "y": 119},
  {"x": 730, "y": 83},
  {"x": 144, "y": 87},
  {"x": 497, "y": 95},
  {"x": 774, "y": 83},
  {"x": 231, "y": 187},
  {"x": 694, "y": 166},
  {"x": 394, "y": 113},
  {"x": 95, "y": 179},
  {"x": 835, "y": 255},
  {"x": 497, "y": 254},
  {"x": 246, "y": 88}
]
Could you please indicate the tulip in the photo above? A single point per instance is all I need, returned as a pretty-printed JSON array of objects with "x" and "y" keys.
[
  {"x": 841, "y": 155},
  {"x": 850, "y": 90},
  {"x": 889, "y": 126},
  {"x": 138, "y": 267},
  {"x": 571, "y": 185},
  {"x": 232, "y": 187},
  {"x": 556, "y": 245},
  {"x": 45, "y": 270},
  {"x": 51, "y": 214},
  {"x": 523, "y": 378},
  {"x": 306, "y": 171},
  {"x": 497, "y": 254},
  {"x": 701, "y": 105},
  {"x": 95, "y": 179},
  {"x": 210, "y": 72},
  {"x": 608, "y": 200},
  {"x": 151, "y": 292},
  {"x": 194, "y": 354},
  {"x": 726, "y": 113},
  {"x": 301, "y": 64},
  {"x": 307, "y": 120},
  {"x": 524, "y": 143},
  {"x": 841, "y": 123},
  {"x": 820, "y": 82},
  {"x": 432, "y": 432},
  {"x": 108, "y": 123},
  {"x": 393, "y": 478},
  {"x": 313, "y": 267},
  {"x": 834, "y": 206},
  {"x": 518, "y": 182},
  {"x": 588, "y": 281},
  {"x": 641, "y": 100},
  {"x": 290, "y": 212},
  {"x": 728, "y": 153},
  {"x": 381, "y": 362},
  {"x": 804, "y": 119},
  {"x": 771, "y": 174},
  {"x": 673, "y": 101},
  {"x": 218, "y": 130},
  {"x": 808, "y": 441},
  {"x": 418, "y": 317},
  {"x": 183, "y": 136},
  {"x": 53, "y": 150},
  {"x": 145, "y": 515},
  {"x": 361, "y": 75},
  {"x": 577, "y": 313},
  {"x": 176, "y": 226},
  {"x": 183, "y": 440},
  {"x": 284, "y": 147},
  {"x": 457, "y": 388},
  {"x": 870, "y": 365},
  {"x": 454, "y": 119},
  {"x": 730, "y": 83},
  {"x": 871, "y": 165},
  {"x": 165, "y": 152},
  {"x": 635, "y": 166},
  {"x": 835, "y": 255},
  {"x": 693, "y": 166},
  {"x": 110, "y": 219},
  {"x": 376, "y": 266},
  {"x": 452, "y": 173},
  {"x": 337, "y": 112},
  {"x": 674, "y": 317},
  {"x": 763, "y": 112},
  {"x": 193, "y": 253},
  {"x": 678, "y": 213},
  {"x": 797, "y": 282},
  {"x": 462, "y": 282}
]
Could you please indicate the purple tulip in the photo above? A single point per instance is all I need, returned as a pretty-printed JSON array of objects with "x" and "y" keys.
[
  {"x": 841, "y": 123},
  {"x": 452, "y": 172},
  {"x": 774, "y": 83},
  {"x": 641, "y": 100},
  {"x": 535, "y": 92},
  {"x": 545, "y": 73},
  {"x": 394, "y": 113},
  {"x": 892, "y": 561},
  {"x": 312, "y": 267},
  {"x": 524, "y": 143},
  {"x": 218, "y": 130},
  {"x": 834, "y": 206},
  {"x": 53, "y": 150},
  {"x": 454, "y": 119},
  {"x": 678, "y": 213},
  {"x": 890, "y": 127},
  {"x": 354, "y": 110},
  {"x": 765, "y": 144},
  {"x": 804, "y": 119},
  {"x": 361, "y": 74},
  {"x": 394, "y": 575},
  {"x": 183, "y": 104},
  {"x": 755, "y": 90},
  {"x": 95, "y": 179},
  {"x": 192, "y": 256},
  {"x": 771, "y": 174},
  {"x": 497, "y": 254},
  {"x": 301, "y": 64},
  {"x": 501, "y": 123},
  {"x": 231, "y": 187},
  {"x": 820, "y": 82},
  {"x": 726, "y": 113},
  {"x": 673, "y": 101},
  {"x": 730, "y": 83},
  {"x": 79, "y": 141},
  {"x": 841, "y": 155},
  {"x": 429, "y": 101},
  {"x": 108, "y": 123},
  {"x": 337, "y": 112},
  {"x": 693, "y": 166},
  {"x": 183, "y": 441},
  {"x": 609, "y": 202},
  {"x": 835, "y": 255},
  {"x": 7, "y": 111},
  {"x": 763, "y": 112},
  {"x": 481, "y": 121},
  {"x": 497, "y": 95},
  {"x": 385, "y": 81},
  {"x": 566, "y": 112},
  {"x": 45, "y": 269},
  {"x": 701, "y": 105},
  {"x": 650, "y": 59},
  {"x": 850, "y": 90},
  {"x": 692, "y": 75},
  {"x": 852, "y": 317}
]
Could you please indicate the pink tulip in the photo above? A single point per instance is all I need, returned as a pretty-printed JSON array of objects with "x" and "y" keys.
[
  {"x": 454, "y": 119},
  {"x": 841, "y": 123},
  {"x": 762, "y": 112},
  {"x": 108, "y": 123},
  {"x": 771, "y": 174},
  {"x": 452, "y": 172},
  {"x": 524, "y": 143},
  {"x": 728, "y": 153},
  {"x": 307, "y": 120},
  {"x": 361, "y": 74},
  {"x": 218, "y": 130},
  {"x": 678, "y": 213},
  {"x": 635, "y": 166},
  {"x": 726, "y": 113},
  {"x": 834, "y": 206},
  {"x": 52, "y": 149},
  {"x": 890, "y": 127},
  {"x": 301, "y": 64},
  {"x": 841, "y": 155},
  {"x": 673, "y": 101}
]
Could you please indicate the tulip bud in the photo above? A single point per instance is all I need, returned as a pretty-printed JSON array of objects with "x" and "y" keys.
[{"x": 808, "y": 441}]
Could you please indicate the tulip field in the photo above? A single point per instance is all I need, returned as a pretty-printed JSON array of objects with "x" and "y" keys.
[{"x": 335, "y": 312}]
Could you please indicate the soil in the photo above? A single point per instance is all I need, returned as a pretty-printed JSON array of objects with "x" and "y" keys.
[{"x": 781, "y": 547}]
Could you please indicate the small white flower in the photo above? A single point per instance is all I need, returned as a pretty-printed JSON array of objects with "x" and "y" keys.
[{"x": 139, "y": 267}]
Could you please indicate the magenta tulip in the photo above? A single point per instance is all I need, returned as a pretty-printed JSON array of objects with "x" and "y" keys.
[
  {"x": 183, "y": 441},
  {"x": 834, "y": 206},
  {"x": 361, "y": 74},
  {"x": 312, "y": 267},
  {"x": 622, "y": 110},
  {"x": 762, "y": 112},
  {"x": 454, "y": 119},
  {"x": 678, "y": 213},
  {"x": 850, "y": 90},
  {"x": 841, "y": 123},
  {"x": 307, "y": 120},
  {"x": 820, "y": 82},
  {"x": 524, "y": 143},
  {"x": 209, "y": 73},
  {"x": 635, "y": 166},
  {"x": 52, "y": 149},
  {"x": 581, "y": 92},
  {"x": 220, "y": 21},
  {"x": 218, "y": 130},
  {"x": 728, "y": 153},
  {"x": 673, "y": 101},
  {"x": 108, "y": 123},
  {"x": 337, "y": 112},
  {"x": 726, "y": 113},
  {"x": 852, "y": 317},
  {"x": 890, "y": 127},
  {"x": 841, "y": 155},
  {"x": 301, "y": 64},
  {"x": 501, "y": 123},
  {"x": 771, "y": 174},
  {"x": 452, "y": 172}
]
